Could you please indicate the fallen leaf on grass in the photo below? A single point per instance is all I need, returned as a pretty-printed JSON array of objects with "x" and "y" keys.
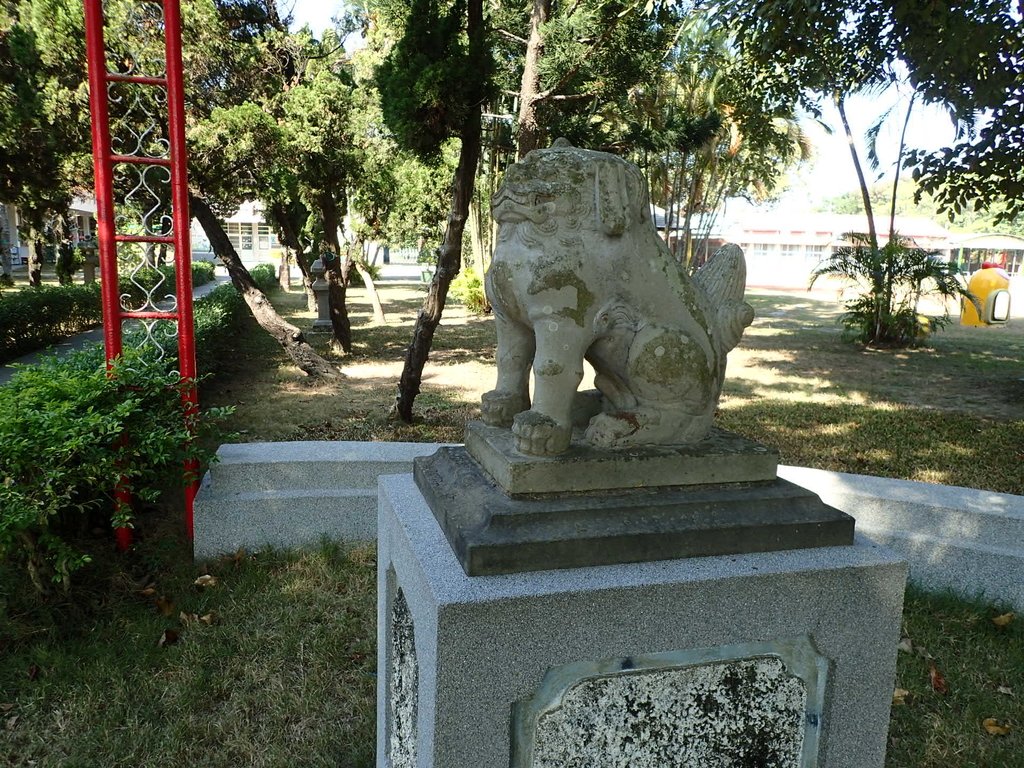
[
  {"x": 6, "y": 707},
  {"x": 1003, "y": 620},
  {"x": 148, "y": 591},
  {"x": 939, "y": 684},
  {"x": 994, "y": 727},
  {"x": 206, "y": 580},
  {"x": 238, "y": 558},
  {"x": 209, "y": 619},
  {"x": 169, "y": 637},
  {"x": 906, "y": 645},
  {"x": 165, "y": 605},
  {"x": 187, "y": 618},
  {"x": 899, "y": 696},
  {"x": 11, "y": 722},
  {"x": 1005, "y": 690}
]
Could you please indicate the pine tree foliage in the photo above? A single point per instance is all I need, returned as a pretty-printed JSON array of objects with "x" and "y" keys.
[{"x": 430, "y": 79}]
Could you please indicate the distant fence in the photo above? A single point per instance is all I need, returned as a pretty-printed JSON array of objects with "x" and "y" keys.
[{"x": 408, "y": 255}]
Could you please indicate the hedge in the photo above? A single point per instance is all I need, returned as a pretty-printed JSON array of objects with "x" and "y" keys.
[
  {"x": 36, "y": 318},
  {"x": 60, "y": 425}
]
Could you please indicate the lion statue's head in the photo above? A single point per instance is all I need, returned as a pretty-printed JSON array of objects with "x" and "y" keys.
[{"x": 564, "y": 187}]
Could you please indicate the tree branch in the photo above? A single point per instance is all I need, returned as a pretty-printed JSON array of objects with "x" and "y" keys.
[
  {"x": 548, "y": 93},
  {"x": 510, "y": 36}
]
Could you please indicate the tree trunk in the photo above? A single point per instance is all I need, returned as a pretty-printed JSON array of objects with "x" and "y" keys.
[
  {"x": 287, "y": 335},
  {"x": 290, "y": 239},
  {"x": 450, "y": 257},
  {"x": 481, "y": 246},
  {"x": 881, "y": 302},
  {"x": 6, "y": 264},
  {"x": 899, "y": 167},
  {"x": 371, "y": 291},
  {"x": 531, "y": 136},
  {"x": 284, "y": 274},
  {"x": 336, "y": 271},
  {"x": 35, "y": 264},
  {"x": 840, "y": 102}
]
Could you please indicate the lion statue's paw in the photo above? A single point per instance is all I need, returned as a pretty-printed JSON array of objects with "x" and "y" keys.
[
  {"x": 539, "y": 435},
  {"x": 498, "y": 408},
  {"x": 608, "y": 430}
]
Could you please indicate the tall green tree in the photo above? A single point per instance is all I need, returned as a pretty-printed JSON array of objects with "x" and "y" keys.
[
  {"x": 964, "y": 56},
  {"x": 433, "y": 85},
  {"x": 43, "y": 117}
]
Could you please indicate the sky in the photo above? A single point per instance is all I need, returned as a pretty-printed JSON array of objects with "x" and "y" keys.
[
  {"x": 831, "y": 172},
  {"x": 316, "y": 13}
]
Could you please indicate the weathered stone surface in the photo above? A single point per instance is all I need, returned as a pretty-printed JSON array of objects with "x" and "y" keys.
[
  {"x": 403, "y": 686},
  {"x": 485, "y": 643},
  {"x": 493, "y": 533},
  {"x": 707, "y": 707},
  {"x": 721, "y": 457},
  {"x": 579, "y": 271}
]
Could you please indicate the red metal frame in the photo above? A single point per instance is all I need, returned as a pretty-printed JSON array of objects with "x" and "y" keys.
[{"x": 107, "y": 237}]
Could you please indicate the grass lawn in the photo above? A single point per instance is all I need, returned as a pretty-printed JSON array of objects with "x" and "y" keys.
[{"x": 281, "y": 672}]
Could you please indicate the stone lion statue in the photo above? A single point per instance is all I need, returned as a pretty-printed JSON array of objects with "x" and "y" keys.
[{"x": 579, "y": 272}]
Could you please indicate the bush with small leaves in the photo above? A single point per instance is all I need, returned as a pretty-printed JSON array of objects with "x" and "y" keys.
[
  {"x": 468, "y": 289},
  {"x": 62, "y": 423}
]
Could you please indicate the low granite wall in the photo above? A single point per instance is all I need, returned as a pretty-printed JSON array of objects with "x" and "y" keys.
[{"x": 294, "y": 494}]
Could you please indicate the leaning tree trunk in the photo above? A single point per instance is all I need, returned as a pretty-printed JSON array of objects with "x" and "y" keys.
[
  {"x": 371, "y": 292},
  {"x": 287, "y": 335},
  {"x": 336, "y": 272},
  {"x": 450, "y": 257},
  {"x": 290, "y": 238},
  {"x": 881, "y": 303}
]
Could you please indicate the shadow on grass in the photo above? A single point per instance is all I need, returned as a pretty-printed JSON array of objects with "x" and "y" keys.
[
  {"x": 796, "y": 344},
  {"x": 886, "y": 440}
]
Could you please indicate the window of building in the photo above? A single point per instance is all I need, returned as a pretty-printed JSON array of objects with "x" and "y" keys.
[
  {"x": 760, "y": 250},
  {"x": 233, "y": 230},
  {"x": 817, "y": 253},
  {"x": 267, "y": 239},
  {"x": 790, "y": 250}
]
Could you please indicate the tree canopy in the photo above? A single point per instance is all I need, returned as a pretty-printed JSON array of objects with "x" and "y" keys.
[{"x": 967, "y": 56}]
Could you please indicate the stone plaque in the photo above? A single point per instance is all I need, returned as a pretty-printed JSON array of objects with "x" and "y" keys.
[
  {"x": 744, "y": 706},
  {"x": 403, "y": 686}
]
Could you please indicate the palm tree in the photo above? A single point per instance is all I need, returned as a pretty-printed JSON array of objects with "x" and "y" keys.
[{"x": 892, "y": 279}]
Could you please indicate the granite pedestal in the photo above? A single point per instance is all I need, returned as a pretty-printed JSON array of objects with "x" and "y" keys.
[{"x": 780, "y": 658}]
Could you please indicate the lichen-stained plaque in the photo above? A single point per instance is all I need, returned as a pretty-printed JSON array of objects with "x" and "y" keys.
[
  {"x": 755, "y": 705},
  {"x": 403, "y": 687}
]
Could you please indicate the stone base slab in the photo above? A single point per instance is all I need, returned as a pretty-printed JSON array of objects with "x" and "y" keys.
[
  {"x": 457, "y": 654},
  {"x": 722, "y": 457},
  {"x": 493, "y": 533}
]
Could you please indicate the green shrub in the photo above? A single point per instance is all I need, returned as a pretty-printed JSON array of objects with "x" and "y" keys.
[
  {"x": 202, "y": 272},
  {"x": 61, "y": 425},
  {"x": 468, "y": 290},
  {"x": 265, "y": 276},
  {"x": 218, "y": 316},
  {"x": 38, "y": 317},
  {"x": 34, "y": 319},
  {"x": 892, "y": 279}
]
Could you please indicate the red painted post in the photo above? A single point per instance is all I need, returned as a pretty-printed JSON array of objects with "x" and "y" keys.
[
  {"x": 105, "y": 232},
  {"x": 182, "y": 246},
  {"x": 107, "y": 236},
  {"x": 104, "y": 173}
]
